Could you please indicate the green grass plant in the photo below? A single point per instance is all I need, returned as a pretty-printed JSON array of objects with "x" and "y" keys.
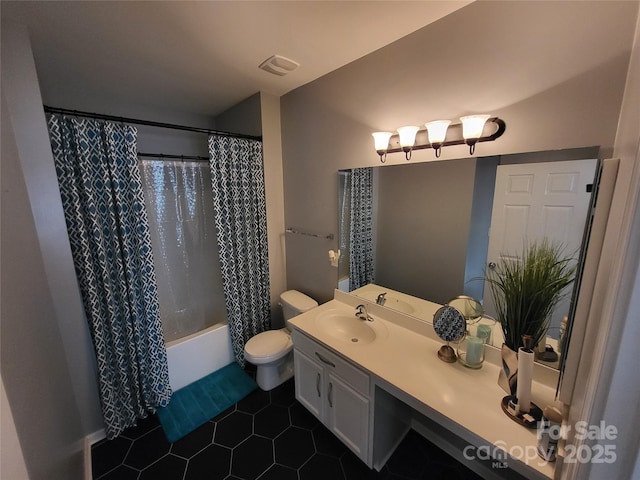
[{"x": 526, "y": 289}]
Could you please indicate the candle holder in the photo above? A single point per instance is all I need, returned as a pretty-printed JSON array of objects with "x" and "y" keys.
[
  {"x": 471, "y": 351},
  {"x": 485, "y": 333}
]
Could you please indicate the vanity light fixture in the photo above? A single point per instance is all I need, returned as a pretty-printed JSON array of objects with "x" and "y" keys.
[
  {"x": 437, "y": 131},
  {"x": 407, "y": 139},
  {"x": 381, "y": 141},
  {"x": 472, "y": 127},
  {"x": 438, "y": 134}
]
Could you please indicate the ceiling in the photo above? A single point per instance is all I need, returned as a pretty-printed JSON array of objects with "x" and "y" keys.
[{"x": 202, "y": 57}]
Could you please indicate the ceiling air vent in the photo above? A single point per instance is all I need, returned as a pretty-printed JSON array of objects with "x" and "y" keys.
[{"x": 279, "y": 65}]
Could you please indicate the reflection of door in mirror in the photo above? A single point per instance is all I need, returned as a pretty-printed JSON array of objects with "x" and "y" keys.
[{"x": 533, "y": 201}]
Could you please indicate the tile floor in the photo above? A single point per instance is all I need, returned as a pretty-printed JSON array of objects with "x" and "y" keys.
[{"x": 265, "y": 436}]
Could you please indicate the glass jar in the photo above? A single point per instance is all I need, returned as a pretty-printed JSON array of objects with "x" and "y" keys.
[{"x": 471, "y": 351}]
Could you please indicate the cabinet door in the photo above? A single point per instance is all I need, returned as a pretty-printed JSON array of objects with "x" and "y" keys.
[
  {"x": 309, "y": 383},
  {"x": 348, "y": 415}
]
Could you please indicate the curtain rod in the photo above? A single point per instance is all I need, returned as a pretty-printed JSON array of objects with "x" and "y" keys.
[
  {"x": 149, "y": 123},
  {"x": 197, "y": 158}
]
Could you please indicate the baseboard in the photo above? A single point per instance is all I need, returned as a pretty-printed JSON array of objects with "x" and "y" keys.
[{"x": 89, "y": 440}]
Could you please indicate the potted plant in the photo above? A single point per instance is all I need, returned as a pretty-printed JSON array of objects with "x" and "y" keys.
[{"x": 525, "y": 291}]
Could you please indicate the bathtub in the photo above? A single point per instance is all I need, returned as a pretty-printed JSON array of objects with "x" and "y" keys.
[{"x": 193, "y": 357}]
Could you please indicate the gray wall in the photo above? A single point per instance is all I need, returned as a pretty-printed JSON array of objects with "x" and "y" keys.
[
  {"x": 242, "y": 118},
  {"x": 44, "y": 385},
  {"x": 11, "y": 459},
  {"x": 424, "y": 213},
  {"x": 554, "y": 71}
]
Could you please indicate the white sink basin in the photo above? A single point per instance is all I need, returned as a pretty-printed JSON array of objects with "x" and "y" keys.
[{"x": 348, "y": 328}]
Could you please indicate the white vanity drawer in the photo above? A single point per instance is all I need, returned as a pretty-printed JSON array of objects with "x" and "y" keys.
[{"x": 358, "y": 379}]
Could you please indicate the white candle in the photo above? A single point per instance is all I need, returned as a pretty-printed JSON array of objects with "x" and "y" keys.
[{"x": 475, "y": 347}]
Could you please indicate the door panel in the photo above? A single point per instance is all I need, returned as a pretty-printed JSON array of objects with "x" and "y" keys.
[
  {"x": 309, "y": 383},
  {"x": 348, "y": 415},
  {"x": 537, "y": 200},
  {"x": 517, "y": 217}
]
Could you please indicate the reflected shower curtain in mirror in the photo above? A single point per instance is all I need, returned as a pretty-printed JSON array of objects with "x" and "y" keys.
[
  {"x": 361, "y": 258},
  {"x": 344, "y": 225},
  {"x": 237, "y": 180},
  {"x": 97, "y": 171}
]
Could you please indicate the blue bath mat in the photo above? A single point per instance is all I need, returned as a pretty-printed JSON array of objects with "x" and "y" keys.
[{"x": 202, "y": 400}]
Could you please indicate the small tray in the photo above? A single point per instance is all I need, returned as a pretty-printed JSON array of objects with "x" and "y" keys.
[{"x": 520, "y": 419}]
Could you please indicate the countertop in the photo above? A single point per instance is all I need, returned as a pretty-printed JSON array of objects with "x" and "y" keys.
[{"x": 406, "y": 359}]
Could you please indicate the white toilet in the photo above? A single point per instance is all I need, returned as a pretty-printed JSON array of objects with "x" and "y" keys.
[{"x": 272, "y": 351}]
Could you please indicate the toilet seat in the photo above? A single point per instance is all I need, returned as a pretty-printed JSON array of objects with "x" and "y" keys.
[{"x": 268, "y": 346}]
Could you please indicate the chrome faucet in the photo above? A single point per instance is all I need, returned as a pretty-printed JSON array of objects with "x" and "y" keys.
[
  {"x": 381, "y": 298},
  {"x": 362, "y": 314}
]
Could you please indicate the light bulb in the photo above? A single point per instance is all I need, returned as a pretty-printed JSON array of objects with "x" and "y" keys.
[
  {"x": 472, "y": 126},
  {"x": 381, "y": 141},
  {"x": 407, "y": 138},
  {"x": 437, "y": 131}
]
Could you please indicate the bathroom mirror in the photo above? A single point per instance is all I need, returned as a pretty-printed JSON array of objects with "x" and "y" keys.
[{"x": 432, "y": 228}]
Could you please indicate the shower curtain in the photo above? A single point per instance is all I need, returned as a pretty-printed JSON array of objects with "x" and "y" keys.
[
  {"x": 361, "y": 254},
  {"x": 103, "y": 203},
  {"x": 344, "y": 223},
  {"x": 237, "y": 181},
  {"x": 179, "y": 205}
]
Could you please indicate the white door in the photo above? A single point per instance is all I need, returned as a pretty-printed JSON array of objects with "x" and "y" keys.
[{"x": 536, "y": 200}]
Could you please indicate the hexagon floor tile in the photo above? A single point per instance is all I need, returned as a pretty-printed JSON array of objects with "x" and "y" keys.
[{"x": 265, "y": 436}]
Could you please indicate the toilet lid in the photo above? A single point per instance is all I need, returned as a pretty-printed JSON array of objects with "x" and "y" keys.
[{"x": 267, "y": 344}]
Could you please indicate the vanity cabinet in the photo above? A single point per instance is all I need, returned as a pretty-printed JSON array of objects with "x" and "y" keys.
[
  {"x": 370, "y": 394},
  {"x": 333, "y": 390}
]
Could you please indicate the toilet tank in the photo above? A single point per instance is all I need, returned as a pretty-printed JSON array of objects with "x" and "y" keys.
[{"x": 294, "y": 303}]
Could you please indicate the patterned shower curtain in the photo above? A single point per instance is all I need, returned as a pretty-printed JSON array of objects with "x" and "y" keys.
[
  {"x": 103, "y": 204},
  {"x": 237, "y": 180},
  {"x": 361, "y": 259}
]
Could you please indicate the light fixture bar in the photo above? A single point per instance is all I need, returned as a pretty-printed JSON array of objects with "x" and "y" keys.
[{"x": 493, "y": 129}]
